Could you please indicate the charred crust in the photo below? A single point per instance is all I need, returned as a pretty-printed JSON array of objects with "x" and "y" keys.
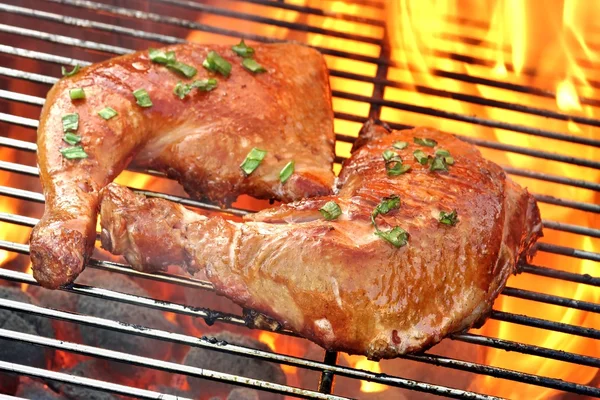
[{"x": 372, "y": 129}]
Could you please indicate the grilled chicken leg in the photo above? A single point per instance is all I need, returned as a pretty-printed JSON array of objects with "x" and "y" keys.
[
  {"x": 201, "y": 140},
  {"x": 336, "y": 282}
]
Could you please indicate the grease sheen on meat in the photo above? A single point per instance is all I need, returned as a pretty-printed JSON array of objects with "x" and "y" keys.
[
  {"x": 200, "y": 140},
  {"x": 336, "y": 282}
]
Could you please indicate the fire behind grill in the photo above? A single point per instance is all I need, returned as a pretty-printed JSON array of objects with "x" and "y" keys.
[{"x": 36, "y": 38}]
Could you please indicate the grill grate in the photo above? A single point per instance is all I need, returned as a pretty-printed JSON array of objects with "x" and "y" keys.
[{"x": 329, "y": 368}]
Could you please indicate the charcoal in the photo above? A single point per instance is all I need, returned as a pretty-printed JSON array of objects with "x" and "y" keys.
[
  {"x": 243, "y": 394},
  {"x": 87, "y": 369},
  {"x": 19, "y": 352},
  {"x": 125, "y": 313},
  {"x": 231, "y": 364},
  {"x": 32, "y": 389}
]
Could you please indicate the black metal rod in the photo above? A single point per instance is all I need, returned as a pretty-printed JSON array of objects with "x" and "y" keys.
[
  {"x": 578, "y": 205},
  {"x": 551, "y": 299},
  {"x": 553, "y": 178},
  {"x": 527, "y": 349},
  {"x": 545, "y": 324},
  {"x": 326, "y": 380},
  {"x": 563, "y": 275},
  {"x": 568, "y": 251},
  {"x": 579, "y": 230}
]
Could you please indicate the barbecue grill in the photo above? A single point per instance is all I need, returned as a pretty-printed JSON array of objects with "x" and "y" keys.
[{"x": 37, "y": 37}]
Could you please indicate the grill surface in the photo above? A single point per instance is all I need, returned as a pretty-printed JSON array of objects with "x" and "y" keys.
[{"x": 89, "y": 20}]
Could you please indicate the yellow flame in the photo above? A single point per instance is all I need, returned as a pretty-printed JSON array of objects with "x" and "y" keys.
[
  {"x": 372, "y": 366},
  {"x": 566, "y": 96}
]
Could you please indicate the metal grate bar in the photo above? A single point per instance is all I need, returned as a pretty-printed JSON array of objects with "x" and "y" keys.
[
  {"x": 558, "y": 274},
  {"x": 160, "y": 365},
  {"x": 550, "y": 299},
  {"x": 157, "y": 334},
  {"x": 578, "y": 205},
  {"x": 85, "y": 382},
  {"x": 545, "y": 324},
  {"x": 579, "y": 230},
  {"x": 295, "y": 26},
  {"x": 568, "y": 251}
]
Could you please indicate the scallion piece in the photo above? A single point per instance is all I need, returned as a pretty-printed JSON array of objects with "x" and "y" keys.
[
  {"x": 215, "y": 63},
  {"x": 76, "y": 94},
  {"x": 421, "y": 157},
  {"x": 74, "y": 152},
  {"x": 242, "y": 49},
  {"x": 425, "y": 142},
  {"x": 387, "y": 204},
  {"x": 397, "y": 168},
  {"x": 397, "y": 236},
  {"x": 438, "y": 164},
  {"x": 72, "y": 138},
  {"x": 186, "y": 70},
  {"x": 400, "y": 145},
  {"x": 442, "y": 152},
  {"x": 75, "y": 70},
  {"x": 143, "y": 98},
  {"x": 389, "y": 154},
  {"x": 253, "y": 160},
  {"x": 450, "y": 218},
  {"x": 449, "y": 160},
  {"x": 206, "y": 85},
  {"x": 286, "y": 172},
  {"x": 330, "y": 211},
  {"x": 251, "y": 65},
  {"x": 107, "y": 113},
  {"x": 161, "y": 57},
  {"x": 70, "y": 122}
]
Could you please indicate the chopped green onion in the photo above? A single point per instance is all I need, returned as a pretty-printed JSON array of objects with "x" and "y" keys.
[
  {"x": 142, "y": 97},
  {"x": 397, "y": 169},
  {"x": 449, "y": 160},
  {"x": 73, "y": 152},
  {"x": 186, "y": 70},
  {"x": 71, "y": 138},
  {"x": 438, "y": 164},
  {"x": 450, "y": 218},
  {"x": 421, "y": 157},
  {"x": 400, "y": 145},
  {"x": 161, "y": 57},
  {"x": 425, "y": 142},
  {"x": 75, "y": 70},
  {"x": 70, "y": 122},
  {"x": 76, "y": 94},
  {"x": 387, "y": 204},
  {"x": 215, "y": 63},
  {"x": 442, "y": 152},
  {"x": 396, "y": 236},
  {"x": 286, "y": 172},
  {"x": 253, "y": 160},
  {"x": 205, "y": 85},
  {"x": 107, "y": 113},
  {"x": 330, "y": 211},
  {"x": 389, "y": 154},
  {"x": 243, "y": 50},
  {"x": 251, "y": 65}
]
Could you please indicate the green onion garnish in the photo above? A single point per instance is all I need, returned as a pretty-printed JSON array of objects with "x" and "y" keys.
[
  {"x": 396, "y": 236},
  {"x": 286, "y": 172},
  {"x": 243, "y": 50},
  {"x": 400, "y": 145},
  {"x": 73, "y": 152},
  {"x": 442, "y": 152},
  {"x": 186, "y": 70},
  {"x": 107, "y": 113},
  {"x": 425, "y": 142},
  {"x": 393, "y": 163},
  {"x": 215, "y": 63},
  {"x": 387, "y": 204},
  {"x": 206, "y": 85},
  {"x": 450, "y": 218},
  {"x": 75, "y": 70},
  {"x": 142, "y": 97},
  {"x": 70, "y": 122},
  {"x": 421, "y": 157},
  {"x": 449, "y": 160},
  {"x": 330, "y": 210},
  {"x": 71, "y": 138},
  {"x": 389, "y": 154},
  {"x": 76, "y": 94},
  {"x": 251, "y": 65},
  {"x": 253, "y": 160},
  {"x": 438, "y": 164},
  {"x": 161, "y": 57}
]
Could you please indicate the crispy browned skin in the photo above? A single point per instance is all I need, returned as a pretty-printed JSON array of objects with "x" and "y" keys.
[
  {"x": 200, "y": 140},
  {"x": 335, "y": 282}
]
